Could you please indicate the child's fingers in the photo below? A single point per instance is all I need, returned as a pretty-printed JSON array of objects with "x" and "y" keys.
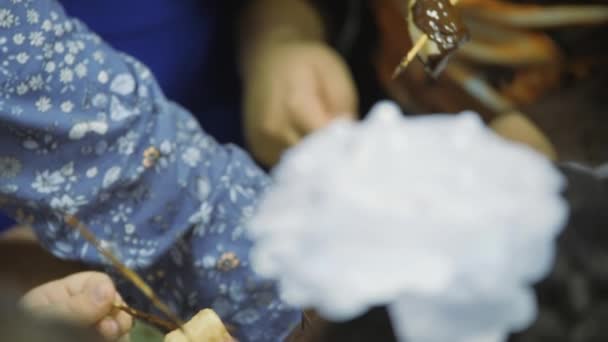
[
  {"x": 85, "y": 308},
  {"x": 92, "y": 304},
  {"x": 109, "y": 328},
  {"x": 124, "y": 320},
  {"x": 117, "y": 323},
  {"x": 84, "y": 297},
  {"x": 113, "y": 327},
  {"x": 125, "y": 338}
]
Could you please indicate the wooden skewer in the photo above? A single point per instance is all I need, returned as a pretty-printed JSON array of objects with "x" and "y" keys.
[
  {"x": 168, "y": 325},
  {"x": 126, "y": 272},
  {"x": 410, "y": 55}
]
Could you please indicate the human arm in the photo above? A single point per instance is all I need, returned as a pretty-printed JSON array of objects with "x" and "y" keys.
[
  {"x": 294, "y": 81},
  {"x": 86, "y": 131}
]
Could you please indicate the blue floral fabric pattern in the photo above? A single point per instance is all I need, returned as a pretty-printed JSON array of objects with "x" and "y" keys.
[{"x": 86, "y": 131}]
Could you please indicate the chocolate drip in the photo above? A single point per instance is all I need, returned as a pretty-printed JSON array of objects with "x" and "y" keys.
[{"x": 440, "y": 21}]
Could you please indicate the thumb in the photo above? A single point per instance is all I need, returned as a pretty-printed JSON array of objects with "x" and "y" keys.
[{"x": 88, "y": 306}]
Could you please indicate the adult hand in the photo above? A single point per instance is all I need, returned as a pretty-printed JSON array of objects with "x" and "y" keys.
[{"x": 292, "y": 89}]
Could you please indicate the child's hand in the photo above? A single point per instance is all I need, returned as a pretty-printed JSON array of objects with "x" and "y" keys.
[
  {"x": 86, "y": 298},
  {"x": 292, "y": 89},
  {"x": 205, "y": 326}
]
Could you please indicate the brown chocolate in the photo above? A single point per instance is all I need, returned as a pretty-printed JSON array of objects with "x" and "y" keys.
[{"x": 441, "y": 22}]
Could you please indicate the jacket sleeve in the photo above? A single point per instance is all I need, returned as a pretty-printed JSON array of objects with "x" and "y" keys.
[{"x": 86, "y": 131}]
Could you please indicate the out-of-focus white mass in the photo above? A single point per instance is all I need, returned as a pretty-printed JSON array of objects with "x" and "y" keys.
[{"x": 436, "y": 217}]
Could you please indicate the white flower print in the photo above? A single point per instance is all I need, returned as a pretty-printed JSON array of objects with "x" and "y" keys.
[
  {"x": 22, "y": 88},
  {"x": 18, "y": 39},
  {"x": 36, "y": 38},
  {"x": 48, "y": 182},
  {"x": 43, "y": 104},
  {"x": 209, "y": 262},
  {"x": 142, "y": 92},
  {"x": 100, "y": 100},
  {"x": 166, "y": 155},
  {"x": 40, "y": 145},
  {"x": 247, "y": 317},
  {"x": 123, "y": 84},
  {"x": 111, "y": 86},
  {"x": 66, "y": 75},
  {"x": 140, "y": 258},
  {"x": 98, "y": 57},
  {"x": 8, "y": 189},
  {"x": 59, "y": 31},
  {"x": 7, "y": 19},
  {"x": 129, "y": 229},
  {"x": 81, "y": 129},
  {"x": 111, "y": 176},
  {"x": 119, "y": 112},
  {"x": 165, "y": 147},
  {"x": 22, "y": 57},
  {"x": 32, "y": 16},
  {"x": 126, "y": 143},
  {"x": 66, "y": 204},
  {"x": 68, "y": 172},
  {"x": 121, "y": 214},
  {"x": 47, "y": 25},
  {"x": 17, "y": 110},
  {"x": 67, "y": 106},
  {"x": 92, "y": 172},
  {"x": 202, "y": 216},
  {"x": 192, "y": 156},
  {"x": 112, "y": 247},
  {"x": 36, "y": 82},
  {"x": 69, "y": 59},
  {"x": 47, "y": 51},
  {"x": 103, "y": 77},
  {"x": 81, "y": 70},
  {"x": 203, "y": 188},
  {"x": 30, "y": 144},
  {"x": 59, "y": 48},
  {"x": 72, "y": 47},
  {"x": 50, "y": 67},
  {"x": 9, "y": 167}
]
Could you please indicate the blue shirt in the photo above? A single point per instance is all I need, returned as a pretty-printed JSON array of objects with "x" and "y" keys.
[
  {"x": 87, "y": 131},
  {"x": 188, "y": 45}
]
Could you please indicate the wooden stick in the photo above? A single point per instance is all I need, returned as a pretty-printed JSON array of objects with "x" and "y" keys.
[
  {"x": 126, "y": 272},
  {"x": 410, "y": 55},
  {"x": 168, "y": 325}
]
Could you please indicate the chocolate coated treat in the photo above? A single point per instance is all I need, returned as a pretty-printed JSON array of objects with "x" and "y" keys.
[{"x": 441, "y": 22}]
